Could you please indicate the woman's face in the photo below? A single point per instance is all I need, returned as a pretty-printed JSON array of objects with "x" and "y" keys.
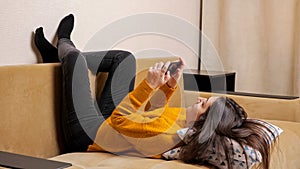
[{"x": 194, "y": 111}]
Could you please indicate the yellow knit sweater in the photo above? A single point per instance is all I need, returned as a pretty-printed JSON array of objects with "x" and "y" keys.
[{"x": 131, "y": 130}]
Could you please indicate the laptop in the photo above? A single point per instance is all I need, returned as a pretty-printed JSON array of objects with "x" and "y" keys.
[{"x": 17, "y": 161}]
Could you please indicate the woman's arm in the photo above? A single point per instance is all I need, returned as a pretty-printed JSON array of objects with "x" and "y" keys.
[
  {"x": 162, "y": 96},
  {"x": 131, "y": 119}
]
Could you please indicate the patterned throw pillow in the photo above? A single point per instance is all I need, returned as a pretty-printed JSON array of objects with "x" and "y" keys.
[{"x": 219, "y": 160}]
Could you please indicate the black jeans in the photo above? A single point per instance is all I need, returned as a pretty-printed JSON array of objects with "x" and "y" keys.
[{"x": 81, "y": 114}]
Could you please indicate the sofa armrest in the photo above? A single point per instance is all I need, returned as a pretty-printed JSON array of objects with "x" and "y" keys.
[
  {"x": 30, "y": 107},
  {"x": 257, "y": 107}
]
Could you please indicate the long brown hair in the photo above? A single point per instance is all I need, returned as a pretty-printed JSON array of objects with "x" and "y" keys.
[{"x": 233, "y": 125}]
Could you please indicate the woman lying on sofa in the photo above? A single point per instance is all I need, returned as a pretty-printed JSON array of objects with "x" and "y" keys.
[{"x": 213, "y": 131}]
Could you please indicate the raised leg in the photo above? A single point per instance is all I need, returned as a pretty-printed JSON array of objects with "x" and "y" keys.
[
  {"x": 80, "y": 118},
  {"x": 121, "y": 68}
]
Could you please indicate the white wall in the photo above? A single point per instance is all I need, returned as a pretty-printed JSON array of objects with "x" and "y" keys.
[{"x": 20, "y": 18}]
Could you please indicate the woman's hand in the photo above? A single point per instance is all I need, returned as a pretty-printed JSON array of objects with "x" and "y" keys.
[
  {"x": 176, "y": 76},
  {"x": 158, "y": 75}
]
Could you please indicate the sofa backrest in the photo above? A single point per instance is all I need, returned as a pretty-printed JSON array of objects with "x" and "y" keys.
[
  {"x": 30, "y": 105},
  {"x": 258, "y": 107}
]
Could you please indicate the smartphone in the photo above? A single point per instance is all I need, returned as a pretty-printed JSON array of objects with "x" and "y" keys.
[{"x": 173, "y": 67}]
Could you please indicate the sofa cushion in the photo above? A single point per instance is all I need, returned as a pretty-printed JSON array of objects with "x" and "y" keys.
[
  {"x": 286, "y": 151},
  {"x": 286, "y": 154},
  {"x": 110, "y": 161}
]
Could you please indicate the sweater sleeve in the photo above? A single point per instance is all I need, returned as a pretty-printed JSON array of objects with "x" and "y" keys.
[
  {"x": 131, "y": 120},
  {"x": 160, "y": 98}
]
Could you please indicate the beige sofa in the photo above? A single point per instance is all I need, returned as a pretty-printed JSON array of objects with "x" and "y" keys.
[{"x": 30, "y": 107}]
